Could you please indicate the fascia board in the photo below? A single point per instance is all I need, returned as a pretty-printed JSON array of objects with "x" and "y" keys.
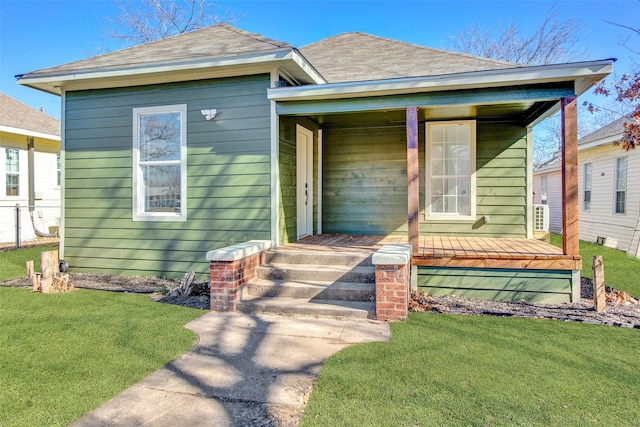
[
  {"x": 307, "y": 67},
  {"x": 26, "y": 132},
  {"x": 154, "y": 73},
  {"x": 589, "y": 71},
  {"x": 599, "y": 142}
]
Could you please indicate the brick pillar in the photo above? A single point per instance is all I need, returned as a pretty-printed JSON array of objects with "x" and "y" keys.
[
  {"x": 392, "y": 292},
  {"x": 228, "y": 276},
  {"x": 393, "y": 282}
]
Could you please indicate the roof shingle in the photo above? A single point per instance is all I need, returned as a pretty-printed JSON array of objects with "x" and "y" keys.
[
  {"x": 216, "y": 41},
  {"x": 17, "y": 115},
  {"x": 357, "y": 56}
]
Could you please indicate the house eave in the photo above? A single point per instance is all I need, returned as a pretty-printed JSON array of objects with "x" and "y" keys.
[
  {"x": 26, "y": 132},
  {"x": 600, "y": 142},
  {"x": 583, "y": 74},
  {"x": 290, "y": 61}
]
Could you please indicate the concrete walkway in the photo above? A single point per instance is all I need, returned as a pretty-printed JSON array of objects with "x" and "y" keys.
[{"x": 246, "y": 370}]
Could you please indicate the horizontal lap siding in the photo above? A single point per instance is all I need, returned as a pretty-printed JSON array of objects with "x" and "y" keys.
[
  {"x": 544, "y": 286},
  {"x": 621, "y": 230},
  {"x": 287, "y": 176},
  {"x": 228, "y": 169},
  {"x": 365, "y": 182}
]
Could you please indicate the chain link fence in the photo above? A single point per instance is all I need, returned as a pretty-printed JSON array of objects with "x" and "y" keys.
[{"x": 24, "y": 225}]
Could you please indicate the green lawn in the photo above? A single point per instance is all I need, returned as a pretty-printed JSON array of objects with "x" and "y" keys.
[
  {"x": 62, "y": 355},
  {"x": 621, "y": 271},
  {"x": 13, "y": 262},
  {"x": 454, "y": 370}
]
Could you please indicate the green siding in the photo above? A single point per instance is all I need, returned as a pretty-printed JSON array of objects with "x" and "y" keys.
[
  {"x": 287, "y": 171},
  {"x": 545, "y": 286},
  {"x": 365, "y": 182},
  {"x": 228, "y": 170}
]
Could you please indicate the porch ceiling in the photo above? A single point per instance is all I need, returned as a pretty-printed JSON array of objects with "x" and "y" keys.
[{"x": 520, "y": 112}]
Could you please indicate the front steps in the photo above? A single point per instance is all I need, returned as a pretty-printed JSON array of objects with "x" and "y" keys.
[{"x": 313, "y": 283}]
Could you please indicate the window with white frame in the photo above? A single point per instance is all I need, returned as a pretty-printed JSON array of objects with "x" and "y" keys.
[
  {"x": 450, "y": 169},
  {"x": 543, "y": 189},
  {"x": 621, "y": 185},
  {"x": 12, "y": 172},
  {"x": 159, "y": 163},
  {"x": 586, "y": 186}
]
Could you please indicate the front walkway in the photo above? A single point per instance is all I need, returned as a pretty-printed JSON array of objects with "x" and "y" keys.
[{"x": 245, "y": 370}]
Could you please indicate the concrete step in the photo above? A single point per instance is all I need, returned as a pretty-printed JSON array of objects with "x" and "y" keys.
[
  {"x": 312, "y": 308},
  {"x": 345, "y": 291},
  {"x": 323, "y": 273},
  {"x": 276, "y": 256}
]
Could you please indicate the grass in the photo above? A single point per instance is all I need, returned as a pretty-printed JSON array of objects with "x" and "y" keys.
[
  {"x": 621, "y": 271},
  {"x": 12, "y": 262},
  {"x": 62, "y": 355},
  {"x": 458, "y": 370}
]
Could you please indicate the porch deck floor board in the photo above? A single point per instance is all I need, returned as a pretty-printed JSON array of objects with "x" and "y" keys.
[{"x": 451, "y": 250}]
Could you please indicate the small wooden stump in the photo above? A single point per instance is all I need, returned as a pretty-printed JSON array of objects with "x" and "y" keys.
[
  {"x": 599, "y": 291},
  {"x": 50, "y": 280}
]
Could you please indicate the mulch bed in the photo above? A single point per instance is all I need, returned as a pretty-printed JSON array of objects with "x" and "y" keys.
[{"x": 622, "y": 309}]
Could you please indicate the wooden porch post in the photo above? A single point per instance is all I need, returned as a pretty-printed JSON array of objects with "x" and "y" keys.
[
  {"x": 413, "y": 178},
  {"x": 570, "y": 231}
]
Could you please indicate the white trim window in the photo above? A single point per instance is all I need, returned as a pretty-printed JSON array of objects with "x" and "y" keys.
[
  {"x": 160, "y": 163},
  {"x": 620, "y": 195},
  {"x": 12, "y": 172},
  {"x": 586, "y": 187},
  {"x": 451, "y": 170}
]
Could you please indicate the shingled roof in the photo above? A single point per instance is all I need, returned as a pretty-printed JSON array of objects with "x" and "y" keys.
[
  {"x": 356, "y": 56},
  {"x": 17, "y": 115},
  {"x": 612, "y": 129},
  {"x": 217, "y": 41}
]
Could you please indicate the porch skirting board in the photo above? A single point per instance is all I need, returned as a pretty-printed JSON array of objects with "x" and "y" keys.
[{"x": 542, "y": 286}]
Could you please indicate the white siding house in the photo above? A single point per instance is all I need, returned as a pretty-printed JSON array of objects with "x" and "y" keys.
[
  {"x": 547, "y": 190},
  {"x": 23, "y": 129},
  {"x": 609, "y": 190}
]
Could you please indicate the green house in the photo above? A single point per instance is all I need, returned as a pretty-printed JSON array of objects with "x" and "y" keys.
[{"x": 219, "y": 136}]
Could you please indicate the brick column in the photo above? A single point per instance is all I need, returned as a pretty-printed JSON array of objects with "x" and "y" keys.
[
  {"x": 393, "y": 282},
  {"x": 230, "y": 269}
]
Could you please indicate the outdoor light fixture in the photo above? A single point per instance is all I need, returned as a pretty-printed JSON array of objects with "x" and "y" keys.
[{"x": 209, "y": 114}]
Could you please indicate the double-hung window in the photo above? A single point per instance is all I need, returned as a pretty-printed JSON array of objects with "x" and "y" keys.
[
  {"x": 159, "y": 163},
  {"x": 12, "y": 172},
  {"x": 450, "y": 170},
  {"x": 586, "y": 187},
  {"x": 621, "y": 185}
]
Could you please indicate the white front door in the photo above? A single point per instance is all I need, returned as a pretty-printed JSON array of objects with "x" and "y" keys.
[{"x": 304, "y": 181}]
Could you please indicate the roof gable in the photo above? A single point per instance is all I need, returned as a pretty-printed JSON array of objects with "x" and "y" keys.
[
  {"x": 357, "y": 56},
  {"x": 217, "y": 41},
  {"x": 21, "y": 117}
]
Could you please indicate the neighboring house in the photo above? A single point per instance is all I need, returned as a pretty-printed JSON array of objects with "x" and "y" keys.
[
  {"x": 547, "y": 190},
  {"x": 609, "y": 202},
  {"x": 217, "y": 136},
  {"x": 609, "y": 187},
  {"x": 29, "y": 170}
]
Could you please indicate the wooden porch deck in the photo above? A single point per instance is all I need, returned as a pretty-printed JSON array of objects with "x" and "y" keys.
[{"x": 438, "y": 251}]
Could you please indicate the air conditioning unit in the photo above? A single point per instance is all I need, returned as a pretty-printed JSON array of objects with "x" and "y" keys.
[{"x": 541, "y": 218}]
